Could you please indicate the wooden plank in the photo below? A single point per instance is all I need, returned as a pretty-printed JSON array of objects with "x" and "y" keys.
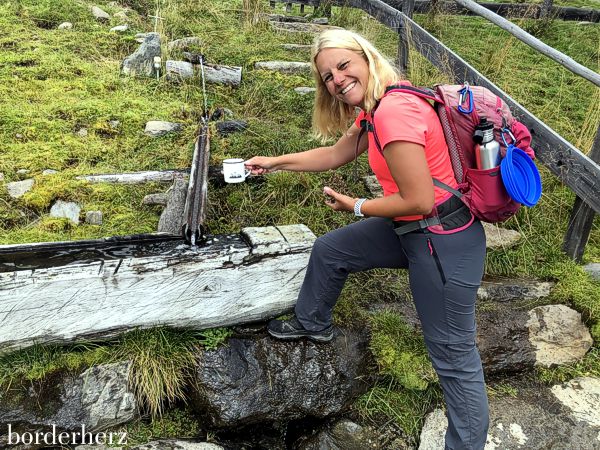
[
  {"x": 570, "y": 165},
  {"x": 582, "y": 217},
  {"x": 564, "y": 60},
  {"x": 230, "y": 281}
]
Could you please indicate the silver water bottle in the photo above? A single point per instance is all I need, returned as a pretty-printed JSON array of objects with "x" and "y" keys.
[{"x": 487, "y": 153}]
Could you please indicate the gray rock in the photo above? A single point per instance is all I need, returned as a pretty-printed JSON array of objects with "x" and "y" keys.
[
  {"x": 497, "y": 237},
  {"x": 513, "y": 339},
  {"x": 171, "y": 219},
  {"x": 93, "y": 217},
  {"x": 227, "y": 75},
  {"x": 532, "y": 420},
  {"x": 100, "y": 14},
  {"x": 82, "y": 132},
  {"x": 258, "y": 380},
  {"x": 558, "y": 335},
  {"x": 342, "y": 435},
  {"x": 509, "y": 290},
  {"x": 1, "y": 177},
  {"x": 65, "y": 26},
  {"x": 49, "y": 172},
  {"x": 221, "y": 113},
  {"x": 184, "y": 43},
  {"x": 320, "y": 20},
  {"x": 67, "y": 210},
  {"x": 98, "y": 398},
  {"x": 17, "y": 189},
  {"x": 157, "y": 128},
  {"x": 23, "y": 171},
  {"x": 593, "y": 269},
  {"x": 179, "y": 70},
  {"x": 114, "y": 124},
  {"x": 120, "y": 28},
  {"x": 303, "y": 90},
  {"x": 155, "y": 199},
  {"x": 282, "y": 18},
  {"x": 581, "y": 396},
  {"x": 288, "y": 67},
  {"x": 373, "y": 186},
  {"x": 141, "y": 62},
  {"x": 231, "y": 126},
  {"x": 140, "y": 37},
  {"x": 171, "y": 444},
  {"x": 294, "y": 47}
]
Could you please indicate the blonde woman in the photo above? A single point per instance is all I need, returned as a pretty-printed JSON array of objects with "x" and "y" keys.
[{"x": 415, "y": 225}]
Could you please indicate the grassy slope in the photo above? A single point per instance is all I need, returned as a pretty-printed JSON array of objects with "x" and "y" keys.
[{"x": 66, "y": 80}]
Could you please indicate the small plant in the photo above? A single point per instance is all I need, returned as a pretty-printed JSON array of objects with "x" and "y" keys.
[{"x": 213, "y": 338}]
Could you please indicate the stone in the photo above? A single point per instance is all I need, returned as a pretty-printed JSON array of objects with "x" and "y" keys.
[
  {"x": 373, "y": 186},
  {"x": 141, "y": 62},
  {"x": 287, "y": 67},
  {"x": 510, "y": 290},
  {"x": 140, "y": 37},
  {"x": 221, "y": 113},
  {"x": 184, "y": 43},
  {"x": 82, "y": 132},
  {"x": 119, "y": 28},
  {"x": 558, "y": 335},
  {"x": 303, "y": 90},
  {"x": 93, "y": 217},
  {"x": 320, "y": 20},
  {"x": 157, "y": 128},
  {"x": 582, "y": 397},
  {"x": 231, "y": 126},
  {"x": 179, "y": 70},
  {"x": 17, "y": 189},
  {"x": 262, "y": 379},
  {"x": 100, "y": 14},
  {"x": 171, "y": 220},
  {"x": 114, "y": 124},
  {"x": 49, "y": 172},
  {"x": 65, "y": 26},
  {"x": 294, "y": 47},
  {"x": 155, "y": 199},
  {"x": 194, "y": 58},
  {"x": 342, "y": 435},
  {"x": 282, "y": 18},
  {"x": 23, "y": 171},
  {"x": 227, "y": 75},
  {"x": 593, "y": 269},
  {"x": 497, "y": 237},
  {"x": 98, "y": 398},
  {"x": 171, "y": 444},
  {"x": 509, "y": 343},
  {"x": 1, "y": 177},
  {"x": 68, "y": 210},
  {"x": 531, "y": 419}
]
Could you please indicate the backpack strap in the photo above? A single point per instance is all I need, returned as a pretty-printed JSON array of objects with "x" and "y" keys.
[{"x": 447, "y": 188}]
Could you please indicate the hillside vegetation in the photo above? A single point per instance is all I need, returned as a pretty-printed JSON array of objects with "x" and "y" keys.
[{"x": 55, "y": 82}]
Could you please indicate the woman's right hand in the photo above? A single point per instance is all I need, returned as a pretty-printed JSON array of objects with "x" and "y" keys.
[{"x": 260, "y": 165}]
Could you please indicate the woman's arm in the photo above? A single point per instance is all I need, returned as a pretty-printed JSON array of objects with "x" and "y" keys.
[
  {"x": 315, "y": 160},
  {"x": 408, "y": 166}
]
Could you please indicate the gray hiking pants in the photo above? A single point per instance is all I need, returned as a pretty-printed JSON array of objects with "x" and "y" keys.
[{"x": 445, "y": 272}]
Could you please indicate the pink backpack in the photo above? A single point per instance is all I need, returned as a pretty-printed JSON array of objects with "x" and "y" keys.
[{"x": 459, "y": 109}]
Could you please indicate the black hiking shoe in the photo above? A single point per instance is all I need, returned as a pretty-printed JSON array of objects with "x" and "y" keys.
[{"x": 292, "y": 329}]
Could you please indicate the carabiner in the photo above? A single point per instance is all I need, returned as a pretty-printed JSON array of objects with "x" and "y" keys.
[
  {"x": 464, "y": 93},
  {"x": 507, "y": 131}
]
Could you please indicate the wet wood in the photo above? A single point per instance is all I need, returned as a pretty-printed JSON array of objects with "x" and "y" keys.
[
  {"x": 232, "y": 280},
  {"x": 172, "y": 219}
]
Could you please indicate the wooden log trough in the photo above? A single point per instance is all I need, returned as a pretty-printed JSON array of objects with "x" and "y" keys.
[{"x": 93, "y": 290}]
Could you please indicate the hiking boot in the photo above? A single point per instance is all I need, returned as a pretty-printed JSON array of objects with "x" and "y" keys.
[{"x": 292, "y": 329}]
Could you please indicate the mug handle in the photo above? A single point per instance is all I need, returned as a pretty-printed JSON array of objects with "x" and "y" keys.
[{"x": 246, "y": 173}]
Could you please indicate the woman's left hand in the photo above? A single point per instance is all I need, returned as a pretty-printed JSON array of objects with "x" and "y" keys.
[{"x": 340, "y": 202}]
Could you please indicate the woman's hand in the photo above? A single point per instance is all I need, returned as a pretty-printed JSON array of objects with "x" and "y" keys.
[
  {"x": 339, "y": 202},
  {"x": 260, "y": 165}
]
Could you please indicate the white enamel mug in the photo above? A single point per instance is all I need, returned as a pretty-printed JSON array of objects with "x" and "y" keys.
[{"x": 234, "y": 170}]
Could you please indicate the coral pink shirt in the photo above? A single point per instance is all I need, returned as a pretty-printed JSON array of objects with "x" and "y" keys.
[{"x": 406, "y": 117}]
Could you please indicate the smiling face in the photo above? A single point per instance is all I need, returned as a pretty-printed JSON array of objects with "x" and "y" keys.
[{"x": 344, "y": 73}]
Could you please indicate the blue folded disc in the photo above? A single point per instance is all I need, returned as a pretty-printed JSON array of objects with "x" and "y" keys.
[{"x": 521, "y": 177}]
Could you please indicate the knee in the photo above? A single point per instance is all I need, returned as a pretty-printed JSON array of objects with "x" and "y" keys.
[
  {"x": 323, "y": 246},
  {"x": 459, "y": 360}
]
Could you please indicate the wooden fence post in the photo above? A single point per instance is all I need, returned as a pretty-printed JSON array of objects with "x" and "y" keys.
[
  {"x": 582, "y": 217},
  {"x": 408, "y": 6}
]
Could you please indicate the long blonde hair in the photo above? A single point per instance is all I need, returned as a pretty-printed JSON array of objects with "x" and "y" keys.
[{"x": 331, "y": 115}]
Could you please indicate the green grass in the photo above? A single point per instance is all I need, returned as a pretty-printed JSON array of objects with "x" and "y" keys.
[{"x": 69, "y": 80}]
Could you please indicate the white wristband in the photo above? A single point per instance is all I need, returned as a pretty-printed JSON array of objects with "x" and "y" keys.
[{"x": 357, "y": 205}]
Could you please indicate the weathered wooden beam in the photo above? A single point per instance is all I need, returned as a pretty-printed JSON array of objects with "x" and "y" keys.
[
  {"x": 564, "y": 60},
  {"x": 570, "y": 165},
  {"x": 233, "y": 279},
  {"x": 149, "y": 176},
  {"x": 582, "y": 217}
]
